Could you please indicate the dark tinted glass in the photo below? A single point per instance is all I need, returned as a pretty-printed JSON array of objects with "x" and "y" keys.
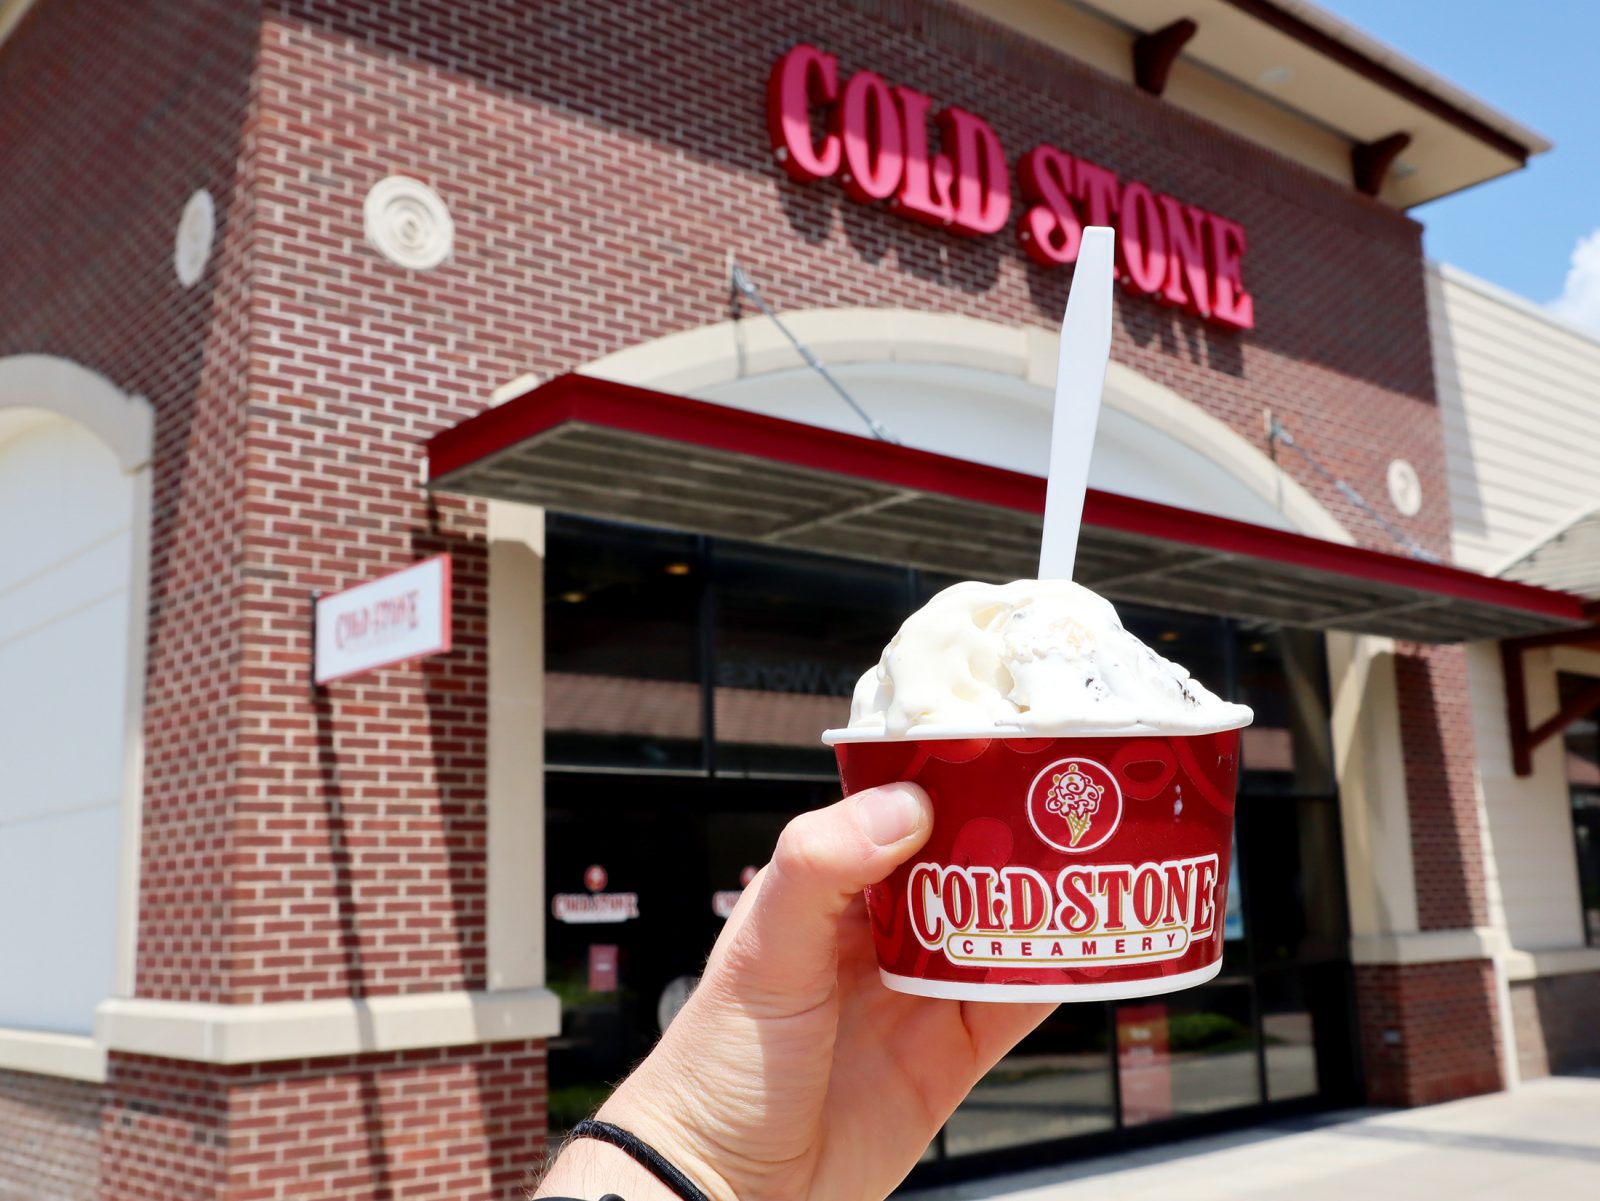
[
  {"x": 793, "y": 634},
  {"x": 1582, "y": 744},
  {"x": 672, "y": 856},
  {"x": 621, "y": 647},
  {"x": 1283, "y": 677},
  {"x": 1291, "y": 870},
  {"x": 1055, "y": 1084}
]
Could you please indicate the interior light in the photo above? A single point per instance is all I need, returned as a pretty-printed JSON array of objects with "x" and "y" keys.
[
  {"x": 1169, "y": 635},
  {"x": 1257, "y": 648},
  {"x": 574, "y": 597},
  {"x": 676, "y": 569}
]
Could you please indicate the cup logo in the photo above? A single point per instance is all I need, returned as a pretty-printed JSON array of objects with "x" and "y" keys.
[{"x": 1074, "y": 805}]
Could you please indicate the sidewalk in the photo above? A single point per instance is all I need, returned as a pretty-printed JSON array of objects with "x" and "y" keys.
[{"x": 1539, "y": 1143}]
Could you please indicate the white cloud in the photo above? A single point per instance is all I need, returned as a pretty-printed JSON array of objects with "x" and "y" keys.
[{"x": 1579, "y": 301}]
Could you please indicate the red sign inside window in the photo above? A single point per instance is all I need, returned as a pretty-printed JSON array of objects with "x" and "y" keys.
[{"x": 874, "y": 138}]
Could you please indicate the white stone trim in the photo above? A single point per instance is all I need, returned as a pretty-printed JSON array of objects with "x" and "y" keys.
[
  {"x": 1423, "y": 946},
  {"x": 74, "y": 1056},
  {"x": 207, "y": 1033},
  {"x": 41, "y": 381},
  {"x": 1369, "y": 766},
  {"x": 516, "y": 840},
  {"x": 1553, "y": 961},
  {"x": 710, "y": 355}
]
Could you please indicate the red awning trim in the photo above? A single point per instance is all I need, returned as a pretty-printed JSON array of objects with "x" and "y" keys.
[{"x": 572, "y": 401}]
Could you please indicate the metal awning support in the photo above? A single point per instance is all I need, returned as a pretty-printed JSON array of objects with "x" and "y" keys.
[{"x": 604, "y": 449}]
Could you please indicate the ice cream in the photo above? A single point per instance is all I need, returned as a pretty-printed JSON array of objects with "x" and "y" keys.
[{"x": 1029, "y": 658}]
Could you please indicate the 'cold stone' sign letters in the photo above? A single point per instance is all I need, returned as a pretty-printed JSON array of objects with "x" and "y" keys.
[{"x": 876, "y": 142}]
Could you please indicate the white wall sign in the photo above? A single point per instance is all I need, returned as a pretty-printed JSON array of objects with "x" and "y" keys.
[{"x": 404, "y": 615}]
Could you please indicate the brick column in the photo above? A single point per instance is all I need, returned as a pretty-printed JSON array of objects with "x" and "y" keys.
[{"x": 1430, "y": 1031}]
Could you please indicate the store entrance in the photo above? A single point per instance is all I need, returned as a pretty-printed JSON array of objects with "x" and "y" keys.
[{"x": 687, "y": 681}]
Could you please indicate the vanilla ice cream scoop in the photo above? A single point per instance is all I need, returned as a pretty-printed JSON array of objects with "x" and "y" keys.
[{"x": 1032, "y": 657}]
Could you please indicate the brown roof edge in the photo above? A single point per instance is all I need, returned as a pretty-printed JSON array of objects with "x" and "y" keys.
[{"x": 1289, "y": 17}]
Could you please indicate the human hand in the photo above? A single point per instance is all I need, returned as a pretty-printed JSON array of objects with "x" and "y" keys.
[{"x": 792, "y": 1072}]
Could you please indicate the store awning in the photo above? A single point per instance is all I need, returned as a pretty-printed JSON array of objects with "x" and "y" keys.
[{"x": 594, "y": 447}]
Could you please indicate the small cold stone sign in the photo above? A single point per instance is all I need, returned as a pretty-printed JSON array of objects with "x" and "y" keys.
[{"x": 403, "y": 615}]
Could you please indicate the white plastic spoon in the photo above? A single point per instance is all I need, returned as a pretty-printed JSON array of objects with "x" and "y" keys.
[{"x": 1080, "y": 378}]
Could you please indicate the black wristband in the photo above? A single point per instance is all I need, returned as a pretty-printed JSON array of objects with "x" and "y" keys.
[{"x": 643, "y": 1154}]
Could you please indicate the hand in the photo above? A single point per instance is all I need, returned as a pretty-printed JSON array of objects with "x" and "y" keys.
[{"x": 792, "y": 1072}]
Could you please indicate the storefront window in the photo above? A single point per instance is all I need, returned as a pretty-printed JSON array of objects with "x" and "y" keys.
[
  {"x": 793, "y": 633},
  {"x": 1283, "y": 677},
  {"x": 641, "y": 874},
  {"x": 622, "y": 648},
  {"x": 701, "y": 768},
  {"x": 1188, "y": 1053},
  {"x": 1305, "y": 1030},
  {"x": 1582, "y": 741},
  {"x": 1057, "y": 1084}
]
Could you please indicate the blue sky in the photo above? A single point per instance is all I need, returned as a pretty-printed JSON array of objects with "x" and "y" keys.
[{"x": 1538, "y": 62}]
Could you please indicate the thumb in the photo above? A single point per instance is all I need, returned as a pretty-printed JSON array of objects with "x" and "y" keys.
[{"x": 785, "y": 951}]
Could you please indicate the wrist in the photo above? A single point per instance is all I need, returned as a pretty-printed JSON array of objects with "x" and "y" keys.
[
  {"x": 588, "y": 1168},
  {"x": 666, "y": 1134}
]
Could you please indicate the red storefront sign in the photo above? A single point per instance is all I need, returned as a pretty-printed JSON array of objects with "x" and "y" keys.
[{"x": 875, "y": 140}]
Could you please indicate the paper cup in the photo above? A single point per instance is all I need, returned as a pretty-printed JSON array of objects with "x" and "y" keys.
[{"x": 1059, "y": 869}]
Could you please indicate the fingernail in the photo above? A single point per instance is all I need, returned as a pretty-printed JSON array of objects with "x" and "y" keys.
[{"x": 890, "y": 813}]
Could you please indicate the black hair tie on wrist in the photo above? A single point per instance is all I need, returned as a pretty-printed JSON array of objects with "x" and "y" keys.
[{"x": 642, "y": 1153}]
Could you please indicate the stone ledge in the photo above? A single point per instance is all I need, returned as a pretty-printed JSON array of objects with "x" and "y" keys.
[
  {"x": 1560, "y": 961},
  {"x": 74, "y": 1056},
  {"x": 234, "y": 1034},
  {"x": 1422, "y": 946}
]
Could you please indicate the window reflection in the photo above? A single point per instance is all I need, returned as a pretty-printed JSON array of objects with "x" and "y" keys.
[
  {"x": 1055, "y": 1084},
  {"x": 793, "y": 635},
  {"x": 1283, "y": 677},
  {"x": 1193, "y": 1052},
  {"x": 1288, "y": 1036},
  {"x": 621, "y": 647}
]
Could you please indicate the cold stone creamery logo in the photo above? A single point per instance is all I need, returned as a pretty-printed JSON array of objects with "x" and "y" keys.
[
  {"x": 1109, "y": 914},
  {"x": 1073, "y": 798},
  {"x": 1116, "y": 913}
]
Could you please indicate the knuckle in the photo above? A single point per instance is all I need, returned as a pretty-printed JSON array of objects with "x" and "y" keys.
[{"x": 803, "y": 847}]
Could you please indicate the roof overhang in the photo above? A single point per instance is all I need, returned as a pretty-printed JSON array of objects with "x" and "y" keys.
[
  {"x": 1297, "y": 57},
  {"x": 1568, "y": 558},
  {"x": 595, "y": 447}
]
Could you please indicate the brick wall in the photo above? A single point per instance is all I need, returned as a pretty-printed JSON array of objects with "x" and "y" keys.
[
  {"x": 49, "y": 1138},
  {"x": 1441, "y": 791},
  {"x": 1555, "y": 1023},
  {"x": 463, "y": 1123},
  {"x": 1428, "y": 1031}
]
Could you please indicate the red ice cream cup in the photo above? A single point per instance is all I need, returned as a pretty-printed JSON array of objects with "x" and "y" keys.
[{"x": 1059, "y": 869}]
